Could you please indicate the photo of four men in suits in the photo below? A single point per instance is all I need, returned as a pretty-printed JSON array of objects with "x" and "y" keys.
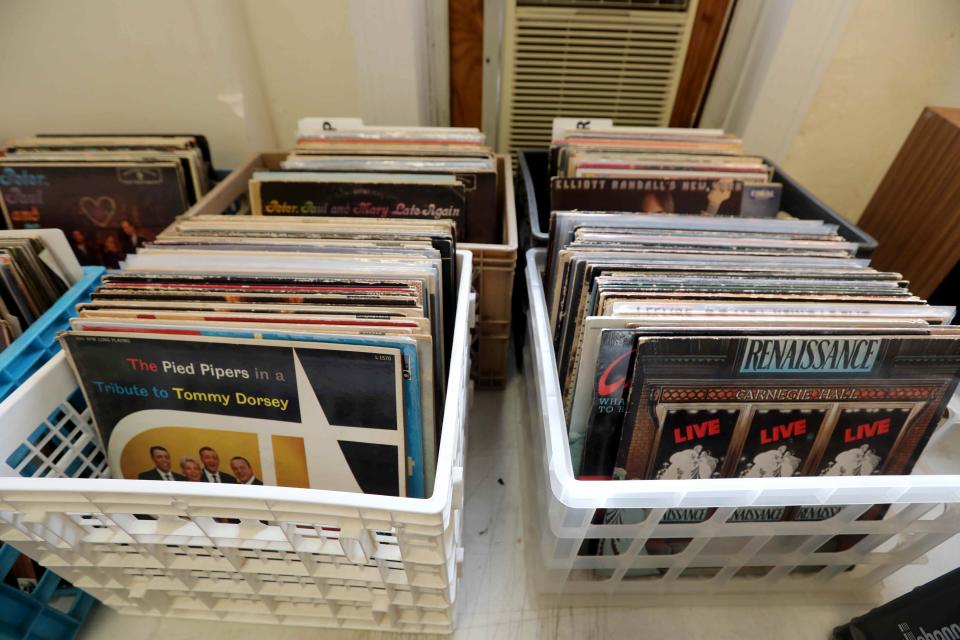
[{"x": 207, "y": 469}]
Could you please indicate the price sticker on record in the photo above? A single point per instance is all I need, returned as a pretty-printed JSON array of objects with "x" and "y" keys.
[
  {"x": 562, "y": 125},
  {"x": 329, "y": 124}
]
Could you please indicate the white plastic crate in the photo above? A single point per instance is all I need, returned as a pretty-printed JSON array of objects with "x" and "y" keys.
[
  {"x": 254, "y": 554},
  {"x": 722, "y": 558}
]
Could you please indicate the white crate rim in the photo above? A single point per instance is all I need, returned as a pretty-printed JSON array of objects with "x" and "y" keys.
[{"x": 591, "y": 494}]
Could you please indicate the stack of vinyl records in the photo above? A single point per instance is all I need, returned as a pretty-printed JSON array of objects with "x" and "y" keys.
[
  {"x": 652, "y": 170},
  {"x": 282, "y": 351},
  {"x": 692, "y": 347},
  {"x": 36, "y": 268},
  {"x": 386, "y": 172},
  {"x": 108, "y": 193},
  {"x": 709, "y": 346}
]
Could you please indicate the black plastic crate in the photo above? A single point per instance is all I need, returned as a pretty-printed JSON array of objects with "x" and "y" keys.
[
  {"x": 533, "y": 222},
  {"x": 533, "y": 204}
]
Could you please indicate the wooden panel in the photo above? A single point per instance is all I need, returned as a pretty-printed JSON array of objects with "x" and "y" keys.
[
  {"x": 466, "y": 62},
  {"x": 709, "y": 27},
  {"x": 915, "y": 212}
]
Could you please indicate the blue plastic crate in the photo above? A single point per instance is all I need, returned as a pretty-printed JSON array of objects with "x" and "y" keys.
[
  {"x": 38, "y": 343},
  {"x": 49, "y": 612}
]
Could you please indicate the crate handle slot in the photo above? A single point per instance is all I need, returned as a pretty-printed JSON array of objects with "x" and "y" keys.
[{"x": 359, "y": 549}]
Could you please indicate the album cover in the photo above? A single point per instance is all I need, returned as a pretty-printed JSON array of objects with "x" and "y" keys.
[
  {"x": 106, "y": 210},
  {"x": 421, "y": 400},
  {"x": 190, "y": 161},
  {"x": 478, "y": 176},
  {"x": 691, "y": 196},
  {"x": 854, "y": 378},
  {"x": 359, "y": 197},
  {"x": 595, "y": 448},
  {"x": 318, "y": 415}
]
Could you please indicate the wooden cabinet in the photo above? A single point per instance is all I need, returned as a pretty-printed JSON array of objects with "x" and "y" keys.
[{"x": 915, "y": 212}]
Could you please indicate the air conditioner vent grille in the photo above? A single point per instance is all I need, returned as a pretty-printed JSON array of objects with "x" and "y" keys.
[
  {"x": 661, "y": 5},
  {"x": 570, "y": 59}
]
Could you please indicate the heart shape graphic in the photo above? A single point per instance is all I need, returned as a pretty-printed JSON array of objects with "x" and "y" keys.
[{"x": 99, "y": 211}]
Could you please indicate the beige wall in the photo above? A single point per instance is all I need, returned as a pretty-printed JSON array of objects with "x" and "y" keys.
[
  {"x": 240, "y": 72},
  {"x": 132, "y": 66},
  {"x": 894, "y": 58},
  {"x": 306, "y": 60}
]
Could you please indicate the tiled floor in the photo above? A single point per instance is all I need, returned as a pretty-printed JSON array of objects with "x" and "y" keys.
[{"x": 496, "y": 600}]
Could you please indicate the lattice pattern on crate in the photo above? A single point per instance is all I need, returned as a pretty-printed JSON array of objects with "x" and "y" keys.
[
  {"x": 284, "y": 611},
  {"x": 64, "y": 445},
  {"x": 314, "y": 567},
  {"x": 272, "y": 598},
  {"x": 839, "y": 553}
]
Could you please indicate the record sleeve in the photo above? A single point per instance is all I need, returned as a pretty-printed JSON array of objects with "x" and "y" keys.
[
  {"x": 306, "y": 414},
  {"x": 360, "y": 196},
  {"x": 845, "y": 376},
  {"x": 593, "y": 445},
  {"x": 689, "y": 196},
  {"x": 478, "y": 176},
  {"x": 106, "y": 210}
]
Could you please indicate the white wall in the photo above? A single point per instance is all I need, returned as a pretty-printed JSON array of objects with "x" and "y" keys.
[
  {"x": 830, "y": 88},
  {"x": 894, "y": 58},
  {"x": 240, "y": 72}
]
